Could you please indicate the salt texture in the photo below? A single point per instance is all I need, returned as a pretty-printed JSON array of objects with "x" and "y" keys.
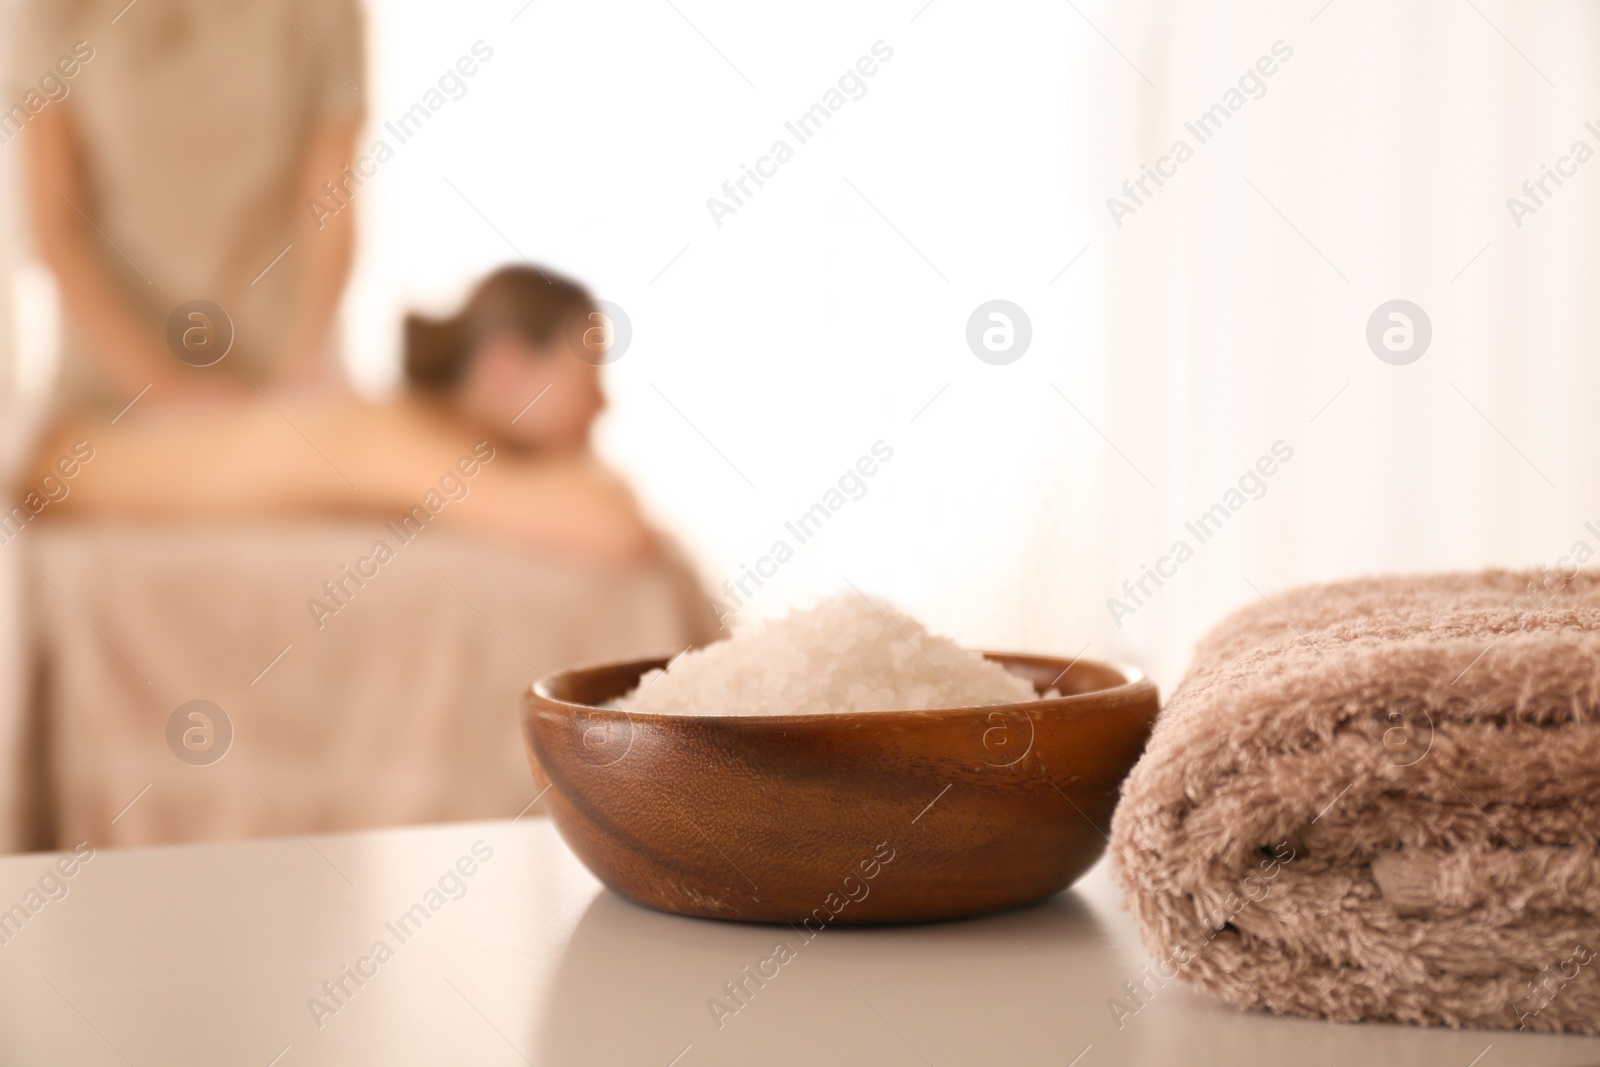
[{"x": 845, "y": 654}]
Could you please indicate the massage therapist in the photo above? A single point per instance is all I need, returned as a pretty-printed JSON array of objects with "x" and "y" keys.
[{"x": 173, "y": 165}]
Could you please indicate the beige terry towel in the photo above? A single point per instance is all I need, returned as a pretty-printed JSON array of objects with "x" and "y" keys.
[{"x": 1381, "y": 800}]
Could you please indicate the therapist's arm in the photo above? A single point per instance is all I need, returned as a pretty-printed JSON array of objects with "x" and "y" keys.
[
  {"x": 324, "y": 245},
  {"x": 132, "y": 353}
]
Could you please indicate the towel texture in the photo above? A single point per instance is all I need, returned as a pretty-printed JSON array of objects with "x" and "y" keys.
[{"x": 1381, "y": 800}]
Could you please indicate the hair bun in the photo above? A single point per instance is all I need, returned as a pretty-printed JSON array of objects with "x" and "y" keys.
[
  {"x": 434, "y": 354},
  {"x": 523, "y": 299}
]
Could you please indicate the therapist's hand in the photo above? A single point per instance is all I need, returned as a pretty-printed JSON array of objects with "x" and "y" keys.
[
  {"x": 188, "y": 392},
  {"x": 318, "y": 379}
]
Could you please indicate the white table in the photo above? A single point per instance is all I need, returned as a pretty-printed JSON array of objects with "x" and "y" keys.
[{"x": 208, "y": 954}]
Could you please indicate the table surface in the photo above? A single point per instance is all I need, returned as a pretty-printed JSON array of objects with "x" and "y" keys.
[{"x": 217, "y": 954}]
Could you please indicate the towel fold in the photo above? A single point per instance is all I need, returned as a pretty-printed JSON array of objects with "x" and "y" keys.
[{"x": 1381, "y": 800}]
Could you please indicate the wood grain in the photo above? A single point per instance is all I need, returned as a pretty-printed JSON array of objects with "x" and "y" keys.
[{"x": 853, "y": 817}]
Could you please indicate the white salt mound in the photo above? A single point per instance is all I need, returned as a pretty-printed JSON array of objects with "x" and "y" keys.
[{"x": 845, "y": 654}]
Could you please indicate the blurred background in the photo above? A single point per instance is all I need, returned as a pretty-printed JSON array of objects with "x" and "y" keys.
[{"x": 1177, "y": 332}]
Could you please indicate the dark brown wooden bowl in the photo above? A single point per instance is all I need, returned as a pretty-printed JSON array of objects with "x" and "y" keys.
[{"x": 848, "y": 817}]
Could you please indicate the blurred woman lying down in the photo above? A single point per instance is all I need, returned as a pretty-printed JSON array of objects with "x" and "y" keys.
[{"x": 490, "y": 437}]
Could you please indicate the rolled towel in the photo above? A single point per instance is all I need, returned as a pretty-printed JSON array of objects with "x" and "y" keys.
[{"x": 1380, "y": 799}]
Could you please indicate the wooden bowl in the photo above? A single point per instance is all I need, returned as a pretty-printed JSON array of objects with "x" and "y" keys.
[{"x": 849, "y": 817}]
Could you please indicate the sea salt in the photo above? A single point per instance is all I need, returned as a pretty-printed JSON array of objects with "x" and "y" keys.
[{"x": 845, "y": 654}]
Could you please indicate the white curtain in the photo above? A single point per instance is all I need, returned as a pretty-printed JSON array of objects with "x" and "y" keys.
[{"x": 1376, "y": 166}]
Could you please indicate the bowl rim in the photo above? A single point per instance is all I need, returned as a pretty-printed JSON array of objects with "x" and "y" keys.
[{"x": 1134, "y": 686}]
